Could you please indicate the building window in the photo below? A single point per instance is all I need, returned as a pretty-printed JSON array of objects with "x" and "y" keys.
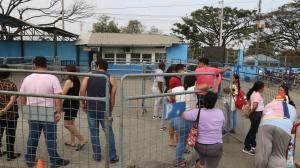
[
  {"x": 121, "y": 58},
  {"x": 160, "y": 57},
  {"x": 109, "y": 57},
  {"x": 147, "y": 58},
  {"x": 135, "y": 58}
]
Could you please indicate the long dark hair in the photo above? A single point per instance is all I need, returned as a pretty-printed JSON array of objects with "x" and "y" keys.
[
  {"x": 286, "y": 90},
  {"x": 189, "y": 81},
  {"x": 170, "y": 69},
  {"x": 256, "y": 87},
  {"x": 237, "y": 77}
]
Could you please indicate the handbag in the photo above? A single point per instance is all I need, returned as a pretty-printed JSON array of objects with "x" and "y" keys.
[{"x": 193, "y": 134}]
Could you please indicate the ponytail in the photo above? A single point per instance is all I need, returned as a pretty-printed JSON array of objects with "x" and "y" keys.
[{"x": 250, "y": 93}]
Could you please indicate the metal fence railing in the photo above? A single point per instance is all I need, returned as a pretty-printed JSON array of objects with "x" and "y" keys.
[
  {"x": 44, "y": 115},
  {"x": 139, "y": 142}
]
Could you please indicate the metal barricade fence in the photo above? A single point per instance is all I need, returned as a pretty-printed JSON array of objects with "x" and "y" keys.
[
  {"x": 82, "y": 158},
  {"x": 142, "y": 143}
]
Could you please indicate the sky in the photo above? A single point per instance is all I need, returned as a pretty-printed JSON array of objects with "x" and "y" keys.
[{"x": 160, "y": 13}]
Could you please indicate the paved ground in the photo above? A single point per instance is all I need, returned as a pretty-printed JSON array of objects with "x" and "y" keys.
[{"x": 144, "y": 145}]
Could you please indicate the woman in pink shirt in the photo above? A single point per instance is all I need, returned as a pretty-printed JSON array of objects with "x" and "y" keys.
[
  {"x": 256, "y": 107},
  {"x": 209, "y": 141}
]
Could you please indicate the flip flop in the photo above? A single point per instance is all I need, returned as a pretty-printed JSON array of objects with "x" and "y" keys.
[
  {"x": 80, "y": 147},
  {"x": 70, "y": 145}
]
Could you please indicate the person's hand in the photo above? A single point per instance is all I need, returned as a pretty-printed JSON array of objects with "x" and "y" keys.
[
  {"x": 246, "y": 115},
  {"x": 57, "y": 117},
  {"x": 83, "y": 107}
]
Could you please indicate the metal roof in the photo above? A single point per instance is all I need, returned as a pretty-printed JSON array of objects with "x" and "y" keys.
[
  {"x": 14, "y": 22},
  {"x": 127, "y": 40}
]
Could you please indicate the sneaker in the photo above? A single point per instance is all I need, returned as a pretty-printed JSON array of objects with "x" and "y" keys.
[
  {"x": 250, "y": 152},
  {"x": 61, "y": 162},
  {"x": 155, "y": 117},
  {"x": 253, "y": 148},
  {"x": 115, "y": 160},
  {"x": 163, "y": 128}
]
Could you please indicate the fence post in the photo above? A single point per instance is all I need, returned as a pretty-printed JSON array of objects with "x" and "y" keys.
[
  {"x": 143, "y": 89},
  {"x": 107, "y": 120},
  {"x": 121, "y": 124}
]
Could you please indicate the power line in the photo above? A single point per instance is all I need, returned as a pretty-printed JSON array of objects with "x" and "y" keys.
[
  {"x": 132, "y": 14},
  {"x": 174, "y": 5},
  {"x": 155, "y": 6}
]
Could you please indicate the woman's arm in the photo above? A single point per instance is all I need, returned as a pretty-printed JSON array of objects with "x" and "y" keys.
[
  {"x": 190, "y": 115},
  {"x": 253, "y": 109},
  {"x": 68, "y": 85},
  {"x": 10, "y": 103}
]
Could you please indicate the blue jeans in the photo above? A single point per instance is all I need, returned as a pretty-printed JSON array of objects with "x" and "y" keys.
[
  {"x": 163, "y": 120},
  {"x": 182, "y": 127},
  {"x": 233, "y": 121},
  {"x": 35, "y": 129},
  {"x": 94, "y": 121}
]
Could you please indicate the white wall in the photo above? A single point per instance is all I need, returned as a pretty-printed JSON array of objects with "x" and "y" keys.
[{"x": 141, "y": 50}]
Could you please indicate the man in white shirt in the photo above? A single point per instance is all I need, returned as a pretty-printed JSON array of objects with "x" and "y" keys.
[{"x": 157, "y": 88}]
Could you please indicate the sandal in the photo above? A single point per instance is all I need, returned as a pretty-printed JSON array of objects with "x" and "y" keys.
[
  {"x": 80, "y": 147},
  {"x": 70, "y": 145}
]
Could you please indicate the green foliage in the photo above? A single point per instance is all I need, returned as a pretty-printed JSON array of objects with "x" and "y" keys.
[
  {"x": 202, "y": 27},
  {"x": 105, "y": 25},
  {"x": 283, "y": 26},
  {"x": 134, "y": 26}
]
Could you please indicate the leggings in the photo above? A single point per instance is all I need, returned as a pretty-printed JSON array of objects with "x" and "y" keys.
[{"x": 209, "y": 155}]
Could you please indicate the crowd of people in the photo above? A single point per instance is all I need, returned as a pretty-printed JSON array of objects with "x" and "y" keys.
[
  {"x": 270, "y": 129},
  {"x": 43, "y": 83},
  {"x": 268, "y": 136}
]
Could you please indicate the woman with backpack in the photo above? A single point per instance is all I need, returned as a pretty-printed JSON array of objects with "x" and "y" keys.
[{"x": 254, "y": 96}]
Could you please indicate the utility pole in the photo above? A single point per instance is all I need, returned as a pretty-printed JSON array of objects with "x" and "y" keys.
[
  {"x": 258, "y": 26},
  {"x": 221, "y": 22},
  {"x": 63, "y": 14}
]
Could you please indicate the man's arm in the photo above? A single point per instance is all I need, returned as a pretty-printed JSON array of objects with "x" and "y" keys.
[
  {"x": 222, "y": 70},
  {"x": 83, "y": 92},
  {"x": 58, "y": 107},
  {"x": 113, "y": 92},
  {"x": 23, "y": 100}
]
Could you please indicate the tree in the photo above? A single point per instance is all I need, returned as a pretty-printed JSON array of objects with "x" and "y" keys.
[
  {"x": 266, "y": 46},
  {"x": 134, "y": 26},
  {"x": 154, "y": 30},
  {"x": 202, "y": 27},
  {"x": 283, "y": 25},
  {"x": 80, "y": 9},
  {"x": 105, "y": 25}
]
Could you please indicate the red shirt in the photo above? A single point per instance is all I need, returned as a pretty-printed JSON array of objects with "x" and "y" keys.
[
  {"x": 208, "y": 79},
  {"x": 174, "y": 82}
]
